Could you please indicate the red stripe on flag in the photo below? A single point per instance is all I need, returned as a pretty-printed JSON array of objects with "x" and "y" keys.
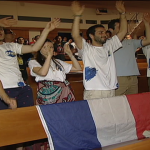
[{"x": 140, "y": 107}]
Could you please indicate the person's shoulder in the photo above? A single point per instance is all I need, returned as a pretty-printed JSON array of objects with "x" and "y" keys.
[{"x": 32, "y": 60}]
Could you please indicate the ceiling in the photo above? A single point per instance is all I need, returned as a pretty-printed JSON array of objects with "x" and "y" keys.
[{"x": 131, "y": 6}]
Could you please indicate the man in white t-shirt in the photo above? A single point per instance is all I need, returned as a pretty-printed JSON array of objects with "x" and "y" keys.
[
  {"x": 99, "y": 74},
  {"x": 10, "y": 74}
]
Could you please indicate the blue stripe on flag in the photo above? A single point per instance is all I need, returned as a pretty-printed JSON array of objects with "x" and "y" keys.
[{"x": 71, "y": 125}]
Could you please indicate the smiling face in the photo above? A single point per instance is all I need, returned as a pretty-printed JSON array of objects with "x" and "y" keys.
[
  {"x": 47, "y": 48},
  {"x": 99, "y": 36}
]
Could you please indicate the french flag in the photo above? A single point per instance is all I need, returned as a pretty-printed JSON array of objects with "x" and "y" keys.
[{"x": 90, "y": 124}]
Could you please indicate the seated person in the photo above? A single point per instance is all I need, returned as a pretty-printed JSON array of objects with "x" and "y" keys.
[{"x": 58, "y": 48}]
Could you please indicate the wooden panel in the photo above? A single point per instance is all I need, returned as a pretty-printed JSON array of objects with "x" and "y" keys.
[
  {"x": 143, "y": 84},
  {"x": 24, "y": 31},
  {"x": 143, "y": 145},
  {"x": 76, "y": 81},
  {"x": 21, "y": 125}
]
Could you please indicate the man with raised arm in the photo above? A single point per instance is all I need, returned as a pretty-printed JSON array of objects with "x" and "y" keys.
[
  {"x": 126, "y": 64},
  {"x": 10, "y": 74},
  {"x": 99, "y": 74}
]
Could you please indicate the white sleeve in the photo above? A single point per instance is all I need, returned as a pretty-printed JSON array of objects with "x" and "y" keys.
[
  {"x": 17, "y": 48},
  {"x": 113, "y": 43},
  {"x": 146, "y": 50},
  {"x": 66, "y": 66},
  {"x": 84, "y": 48},
  {"x": 32, "y": 64}
]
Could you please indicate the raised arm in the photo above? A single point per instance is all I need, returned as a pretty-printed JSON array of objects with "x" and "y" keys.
[
  {"x": 37, "y": 46},
  {"x": 7, "y": 22},
  {"x": 123, "y": 21},
  {"x": 75, "y": 63},
  {"x": 42, "y": 71},
  {"x": 9, "y": 101},
  {"x": 146, "y": 20},
  {"x": 77, "y": 10}
]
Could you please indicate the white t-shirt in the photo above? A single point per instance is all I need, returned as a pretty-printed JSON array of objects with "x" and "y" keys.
[
  {"x": 99, "y": 66},
  {"x": 53, "y": 74},
  {"x": 146, "y": 51},
  {"x": 10, "y": 74}
]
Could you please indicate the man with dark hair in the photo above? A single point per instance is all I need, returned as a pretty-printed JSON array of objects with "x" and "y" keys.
[
  {"x": 126, "y": 65},
  {"x": 92, "y": 30},
  {"x": 99, "y": 74}
]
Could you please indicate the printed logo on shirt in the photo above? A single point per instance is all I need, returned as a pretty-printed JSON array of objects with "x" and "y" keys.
[
  {"x": 10, "y": 53},
  {"x": 20, "y": 60},
  {"x": 90, "y": 73},
  {"x": 117, "y": 85}
]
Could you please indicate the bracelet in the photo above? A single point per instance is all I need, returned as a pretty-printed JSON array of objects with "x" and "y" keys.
[
  {"x": 77, "y": 15},
  {"x": 123, "y": 13}
]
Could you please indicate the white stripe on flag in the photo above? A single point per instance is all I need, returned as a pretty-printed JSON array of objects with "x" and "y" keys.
[
  {"x": 113, "y": 119},
  {"x": 45, "y": 128}
]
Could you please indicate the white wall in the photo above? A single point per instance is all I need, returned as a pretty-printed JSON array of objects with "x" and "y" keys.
[{"x": 52, "y": 11}]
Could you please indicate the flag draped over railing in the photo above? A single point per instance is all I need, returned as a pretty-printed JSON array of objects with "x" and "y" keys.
[{"x": 89, "y": 124}]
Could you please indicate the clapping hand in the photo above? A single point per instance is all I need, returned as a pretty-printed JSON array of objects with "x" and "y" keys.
[{"x": 67, "y": 50}]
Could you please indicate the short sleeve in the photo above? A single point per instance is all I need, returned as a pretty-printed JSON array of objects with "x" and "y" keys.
[
  {"x": 137, "y": 43},
  {"x": 66, "y": 66},
  {"x": 114, "y": 43},
  {"x": 32, "y": 64},
  {"x": 85, "y": 47},
  {"x": 146, "y": 50},
  {"x": 18, "y": 48}
]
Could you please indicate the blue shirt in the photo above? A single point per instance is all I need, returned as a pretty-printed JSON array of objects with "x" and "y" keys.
[{"x": 125, "y": 60}]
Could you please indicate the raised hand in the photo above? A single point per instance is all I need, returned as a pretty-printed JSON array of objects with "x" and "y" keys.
[
  {"x": 146, "y": 18},
  {"x": 77, "y": 8},
  {"x": 7, "y": 22},
  {"x": 53, "y": 24},
  {"x": 120, "y": 6},
  {"x": 67, "y": 49}
]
